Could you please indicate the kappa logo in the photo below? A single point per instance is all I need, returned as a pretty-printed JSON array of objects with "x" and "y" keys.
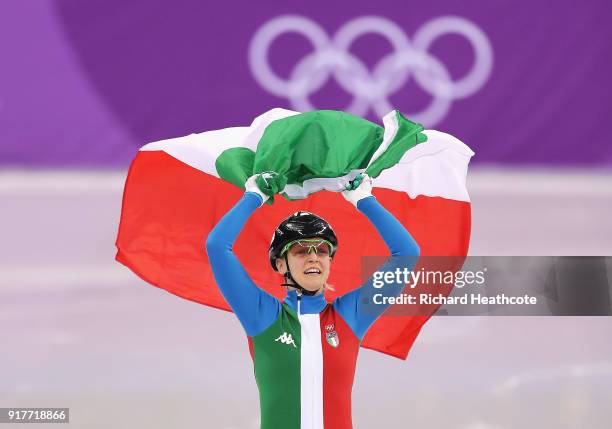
[
  {"x": 286, "y": 339},
  {"x": 329, "y": 327},
  {"x": 371, "y": 89}
]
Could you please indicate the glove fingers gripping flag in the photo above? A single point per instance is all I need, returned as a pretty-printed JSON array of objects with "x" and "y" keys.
[{"x": 178, "y": 189}]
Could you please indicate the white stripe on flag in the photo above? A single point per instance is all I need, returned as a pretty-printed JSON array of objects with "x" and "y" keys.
[
  {"x": 436, "y": 168},
  {"x": 260, "y": 123},
  {"x": 201, "y": 151},
  {"x": 310, "y": 186},
  {"x": 391, "y": 127}
]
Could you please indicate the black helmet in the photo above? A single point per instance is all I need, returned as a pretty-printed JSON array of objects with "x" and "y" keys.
[{"x": 300, "y": 225}]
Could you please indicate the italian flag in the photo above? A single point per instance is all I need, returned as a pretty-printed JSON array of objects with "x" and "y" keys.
[{"x": 178, "y": 189}]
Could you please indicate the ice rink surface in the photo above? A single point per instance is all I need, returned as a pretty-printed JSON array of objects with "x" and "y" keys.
[{"x": 79, "y": 330}]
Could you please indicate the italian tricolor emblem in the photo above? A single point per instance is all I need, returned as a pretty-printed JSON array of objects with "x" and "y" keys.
[{"x": 178, "y": 189}]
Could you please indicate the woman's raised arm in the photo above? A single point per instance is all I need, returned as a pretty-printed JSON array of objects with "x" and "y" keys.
[
  {"x": 255, "y": 308},
  {"x": 356, "y": 307}
]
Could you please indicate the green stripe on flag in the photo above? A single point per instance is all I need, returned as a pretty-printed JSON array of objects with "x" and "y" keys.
[{"x": 318, "y": 145}]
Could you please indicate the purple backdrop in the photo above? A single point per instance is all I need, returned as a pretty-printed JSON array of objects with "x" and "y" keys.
[{"x": 85, "y": 83}]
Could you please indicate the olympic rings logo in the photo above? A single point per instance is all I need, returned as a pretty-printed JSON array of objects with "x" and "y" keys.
[{"x": 371, "y": 89}]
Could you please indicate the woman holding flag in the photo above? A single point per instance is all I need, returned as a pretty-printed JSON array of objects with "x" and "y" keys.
[{"x": 304, "y": 349}]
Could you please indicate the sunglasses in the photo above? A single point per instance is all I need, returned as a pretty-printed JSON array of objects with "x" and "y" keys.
[{"x": 305, "y": 246}]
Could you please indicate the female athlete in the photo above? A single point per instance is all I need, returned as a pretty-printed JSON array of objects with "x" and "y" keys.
[{"x": 304, "y": 349}]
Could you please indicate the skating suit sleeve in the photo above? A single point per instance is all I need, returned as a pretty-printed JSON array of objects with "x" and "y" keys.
[
  {"x": 255, "y": 308},
  {"x": 356, "y": 307}
]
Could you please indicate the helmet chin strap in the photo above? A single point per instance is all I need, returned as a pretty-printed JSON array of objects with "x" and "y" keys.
[{"x": 288, "y": 277}]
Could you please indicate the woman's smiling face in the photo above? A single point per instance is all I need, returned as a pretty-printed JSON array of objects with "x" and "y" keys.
[{"x": 309, "y": 263}]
